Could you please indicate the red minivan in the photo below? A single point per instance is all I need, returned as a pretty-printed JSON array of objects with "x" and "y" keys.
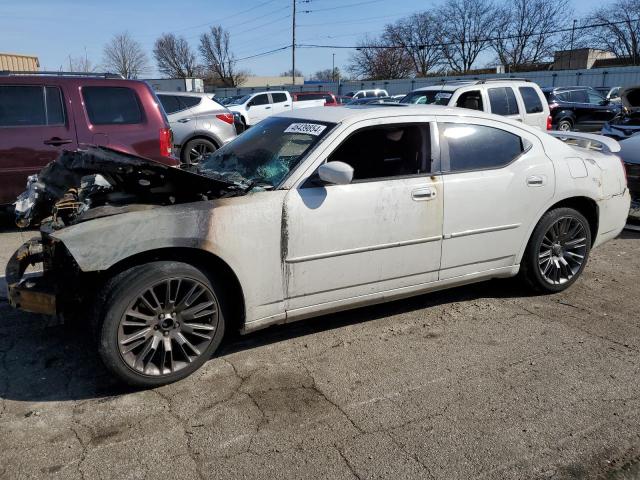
[{"x": 42, "y": 114}]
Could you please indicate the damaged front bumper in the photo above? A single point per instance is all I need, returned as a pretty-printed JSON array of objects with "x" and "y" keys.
[{"x": 32, "y": 293}]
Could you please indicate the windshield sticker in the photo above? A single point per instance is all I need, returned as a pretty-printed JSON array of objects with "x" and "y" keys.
[
  {"x": 443, "y": 95},
  {"x": 308, "y": 128}
]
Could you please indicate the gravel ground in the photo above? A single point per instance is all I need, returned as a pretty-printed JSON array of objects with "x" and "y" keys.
[{"x": 483, "y": 381}]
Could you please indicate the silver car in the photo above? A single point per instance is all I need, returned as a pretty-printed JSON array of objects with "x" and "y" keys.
[{"x": 200, "y": 124}]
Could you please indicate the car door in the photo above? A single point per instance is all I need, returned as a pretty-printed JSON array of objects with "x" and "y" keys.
[
  {"x": 502, "y": 101},
  {"x": 258, "y": 108},
  {"x": 583, "y": 111},
  {"x": 280, "y": 102},
  {"x": 181, "y": 118},
  {"x": 533, "y": 106},
  {"x": 34, "y": 128},
  {"x": 496, "y": 181},
  {"x": 380, "y": 233},
  {"x": 602, "y": 109}
]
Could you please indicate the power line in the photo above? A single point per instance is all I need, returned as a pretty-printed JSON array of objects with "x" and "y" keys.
[
  {"x": 477, "y": 40},
  {"x": 341, "y": 6},
  {"x": 269, "y": 52}
]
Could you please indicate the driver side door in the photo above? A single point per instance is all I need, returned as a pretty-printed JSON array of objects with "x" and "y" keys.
[
  {"x": 378, "y": 236},
  {"x": 259, "y": 107}
]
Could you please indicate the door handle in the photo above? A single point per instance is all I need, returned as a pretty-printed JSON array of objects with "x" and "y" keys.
[
  {"x": 267, "y": 108},
  {"x": 535, "y": 181},
  {"x": 184, "y": 120},
  {"x": 423, "y": 193},
  {"x": 287, "y": 105},
  {"x": 56, "y": 141}
]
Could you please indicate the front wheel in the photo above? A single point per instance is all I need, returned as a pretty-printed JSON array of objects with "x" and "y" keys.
[
  {"x": 160, "y": 322},
  {"x": 557, "y": 251}
]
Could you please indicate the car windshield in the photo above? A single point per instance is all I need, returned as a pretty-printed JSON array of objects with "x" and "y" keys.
[
  {"x": 239, "y": 100},
  {"x": 435, "y": 97},
  {"x": 265, "y": 154}
]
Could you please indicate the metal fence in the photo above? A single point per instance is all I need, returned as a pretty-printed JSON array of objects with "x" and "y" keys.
[{"x": 600, "y": 77}]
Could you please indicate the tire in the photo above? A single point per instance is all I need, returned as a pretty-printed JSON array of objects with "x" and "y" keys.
[
  {"x": 565, "y": 125},
  {"x": 561, "y": 236},
  {"x": 169, "y": 358},
  {"x": 194, "y": 149}
]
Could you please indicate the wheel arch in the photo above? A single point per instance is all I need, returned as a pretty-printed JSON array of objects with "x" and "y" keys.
[
  {"x": 565, "y": 115},
  {"x": 585, "y": 205},
  {"x": 202, "y": 259}
]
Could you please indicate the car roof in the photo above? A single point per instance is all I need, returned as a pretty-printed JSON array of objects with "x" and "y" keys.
[
  {"x": 186, "y": 94},
  {"x": 367, "y": 111}
]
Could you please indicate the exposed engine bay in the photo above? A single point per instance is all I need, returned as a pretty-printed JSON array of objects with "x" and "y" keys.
[{"x": 95, "y": 182}]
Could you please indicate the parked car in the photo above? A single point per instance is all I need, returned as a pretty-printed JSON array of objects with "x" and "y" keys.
[
  {"x": 513, "y": 98},
  {"x": 343, "y": 100},
  {"x": 579, "y": 108},
  {"x": 627, "y": 122},
  {"x": 260, "y": 105},
  {"x": 313, "y": 211},
  {"x": 200, "y": 124},
  {"x": 375, "y": 92},
  {"x": 328, "y": 97},
  {"x": 41, "y": 115},
  {"x": 397, "y": 98},
  {"x": 372, "y": 100},
  {"x": 612, "y": 94},
  {"x": 630, "y": 155}
]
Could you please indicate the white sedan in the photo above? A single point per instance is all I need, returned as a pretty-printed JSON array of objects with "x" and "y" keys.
[{"x": 314, "y": 211}]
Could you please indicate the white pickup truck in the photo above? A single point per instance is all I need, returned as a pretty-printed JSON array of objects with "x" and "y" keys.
[{"x": 260, "y": 105}]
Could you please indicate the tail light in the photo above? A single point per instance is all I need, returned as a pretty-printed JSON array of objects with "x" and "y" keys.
[
  {"x": 166, "y": 141},
  {"x": 226, "y": 117},
  {"x": 549, "y": 123}
]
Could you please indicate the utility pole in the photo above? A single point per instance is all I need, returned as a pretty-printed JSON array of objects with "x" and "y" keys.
[
  {"x": 293, "y": 45},
  {"x": 573, "y": 30},
  {"x": 333, "y": 67}
]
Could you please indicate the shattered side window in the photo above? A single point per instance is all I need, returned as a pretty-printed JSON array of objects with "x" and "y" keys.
[{"x": 264, "y": 155}]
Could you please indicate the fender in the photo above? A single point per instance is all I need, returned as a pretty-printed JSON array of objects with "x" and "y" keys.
[{"x": 98, "y": 244}]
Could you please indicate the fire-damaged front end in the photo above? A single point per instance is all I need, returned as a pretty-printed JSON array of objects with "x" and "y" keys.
[
  {"x": 103, "y": 186},
  {"x": 626, "y": 123}
]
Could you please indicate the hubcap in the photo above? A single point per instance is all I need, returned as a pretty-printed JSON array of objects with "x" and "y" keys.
[
  {"x": 168, "y": 326},
  {"x": 198, "y": 151},
  {"x": 562, "y": 250},
  {"x": 564, "y": 126}
]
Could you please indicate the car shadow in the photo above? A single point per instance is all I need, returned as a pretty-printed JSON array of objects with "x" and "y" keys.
[{"x": 43, "y": 360}]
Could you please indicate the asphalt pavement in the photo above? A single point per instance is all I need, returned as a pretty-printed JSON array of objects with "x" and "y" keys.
[{"x": 483, "y": 381}]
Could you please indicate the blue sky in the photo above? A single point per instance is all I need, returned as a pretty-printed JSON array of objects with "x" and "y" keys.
[{"x": 55, "y": 29}]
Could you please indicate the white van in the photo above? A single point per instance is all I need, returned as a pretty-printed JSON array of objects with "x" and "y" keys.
[{"x": 514, "y": 98}]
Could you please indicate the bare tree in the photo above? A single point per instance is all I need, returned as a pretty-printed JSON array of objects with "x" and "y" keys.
[
  {"x": 621, "y": 39},
  {"x": 125, "y": 56},
  {"x": 174, "y": 56},
  {"x": 289, "y": 73},
  {"x": 219, "y": 60},
  {"x": 418, "y": 34},
  {"x": 466, "y": 26},
  {"x": 527, "y": 31},
  {"x": 374, "y": 60},
  {"x": 81, "y": 64},
  {"x": 327, "y": 75}
]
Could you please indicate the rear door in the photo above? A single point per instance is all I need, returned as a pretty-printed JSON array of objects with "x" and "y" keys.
[
  {"x": 34, "y": 128},
  {"x": 533, "y": 104},
  {"x": 497, "y": 180},
  {"x": 115, "y": 118},
  {"x": 180, "y": 118},
  {"x": 502, "y": 101},
  {"x": 281, "y": 102}
]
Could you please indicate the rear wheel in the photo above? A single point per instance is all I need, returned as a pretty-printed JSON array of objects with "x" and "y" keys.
[
  {"x": 557, "y": 251},
  {"x": 195, "y": 149},
  {"x": 161, "y": 321},
  {"x": 565, "y": 125}
]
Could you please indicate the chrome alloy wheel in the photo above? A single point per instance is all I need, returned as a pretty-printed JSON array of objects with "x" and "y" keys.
[
  {"x": 562, "y": 251},
  {"x": 199, "y": 150},
  {"x": 168, "y": 326}
]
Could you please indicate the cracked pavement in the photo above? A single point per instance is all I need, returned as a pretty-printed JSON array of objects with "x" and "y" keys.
[{"x": 483, "y": 381}]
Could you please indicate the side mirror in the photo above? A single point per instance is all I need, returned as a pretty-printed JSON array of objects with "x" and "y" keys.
[
  {"x": 249, "y": 105},
  {"x": 337, "y": 173}
]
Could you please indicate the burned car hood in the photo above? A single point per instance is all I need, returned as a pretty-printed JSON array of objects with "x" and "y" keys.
[{"x": 97, "y": 181}]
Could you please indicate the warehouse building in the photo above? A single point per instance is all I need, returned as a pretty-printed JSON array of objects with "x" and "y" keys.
[{"x": 19, "y": 63}]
